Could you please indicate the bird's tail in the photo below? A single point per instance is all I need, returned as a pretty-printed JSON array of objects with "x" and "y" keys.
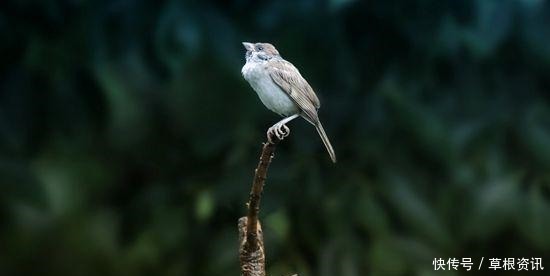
[{"x": 324, "y": 137}]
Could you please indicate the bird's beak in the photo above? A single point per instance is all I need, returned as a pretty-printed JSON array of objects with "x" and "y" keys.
[{"x": 248, "y": 46}]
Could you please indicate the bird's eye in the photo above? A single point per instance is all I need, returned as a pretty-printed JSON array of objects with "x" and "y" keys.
[{"x": 260, "y": 48}]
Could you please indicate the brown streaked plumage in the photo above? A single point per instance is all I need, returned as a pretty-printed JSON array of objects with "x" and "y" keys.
[
  {"x": 288, "y": 78},
  {"x": 282, "y": 89}
]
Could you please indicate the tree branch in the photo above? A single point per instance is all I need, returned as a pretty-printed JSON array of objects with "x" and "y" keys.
[{"x": 251, "y": 251}]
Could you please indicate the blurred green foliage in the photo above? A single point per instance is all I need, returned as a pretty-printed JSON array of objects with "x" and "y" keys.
[{"x": 128, "y": 137}]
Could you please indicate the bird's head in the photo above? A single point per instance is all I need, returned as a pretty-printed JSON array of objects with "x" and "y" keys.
[{"x": 260, "y": 51}]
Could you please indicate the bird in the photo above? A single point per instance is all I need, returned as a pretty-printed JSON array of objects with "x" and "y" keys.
[{"x": 283, "y": 90}]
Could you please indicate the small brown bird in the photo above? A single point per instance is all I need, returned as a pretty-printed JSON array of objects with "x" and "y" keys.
[{"x": 282, "y": 90}]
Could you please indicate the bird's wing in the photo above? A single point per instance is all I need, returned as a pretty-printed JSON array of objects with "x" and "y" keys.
[{"x": 288, "y": 78}]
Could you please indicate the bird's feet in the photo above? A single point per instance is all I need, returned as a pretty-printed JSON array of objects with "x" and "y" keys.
[{"x": 279, "y": 130}]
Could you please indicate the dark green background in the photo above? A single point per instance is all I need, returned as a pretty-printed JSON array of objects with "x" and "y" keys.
[{"x": 128, "y": 136}]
